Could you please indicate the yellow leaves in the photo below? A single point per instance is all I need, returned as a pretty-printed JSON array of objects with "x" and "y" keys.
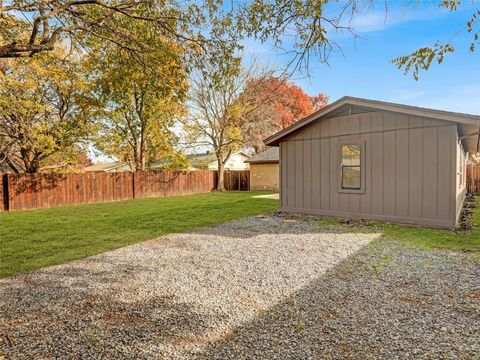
[
  {"x": 422, "y": 58},
  {"x": 143, "y": 94},
  {"x": 234, "y": 133},
  {"x": 452, "y": 5},
  {"x": 42, "y": 104},
  {"x": 43, "y": 140}
]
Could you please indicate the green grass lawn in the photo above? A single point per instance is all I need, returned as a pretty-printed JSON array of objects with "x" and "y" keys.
[
  {"x": 425, "y": 238},
  {"x": 33, "y": 239}
]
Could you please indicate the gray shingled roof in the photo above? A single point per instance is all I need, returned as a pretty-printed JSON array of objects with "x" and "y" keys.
[{"x": 268, "y": 156}]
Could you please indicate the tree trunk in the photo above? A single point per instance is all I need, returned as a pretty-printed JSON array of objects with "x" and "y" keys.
[
  {"x": 32, "y": 167},
  {"x": 143, "y": 155},
  {"x": 143, "y": 161},
  {"x": 30, "y": 161},
  {"x": 221, "y": 175}
]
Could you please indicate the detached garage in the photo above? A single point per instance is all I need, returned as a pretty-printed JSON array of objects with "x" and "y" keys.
[
  {"x": 377, "y": 160},
  {"x": 264, "y": 173}
]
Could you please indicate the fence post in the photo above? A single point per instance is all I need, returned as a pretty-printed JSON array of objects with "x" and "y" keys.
[
  {"x": 6, "y": 196},
  {"x": 133, "y": 184}
]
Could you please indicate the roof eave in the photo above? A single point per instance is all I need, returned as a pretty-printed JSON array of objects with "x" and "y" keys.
[{"x": 261, "y": 161}]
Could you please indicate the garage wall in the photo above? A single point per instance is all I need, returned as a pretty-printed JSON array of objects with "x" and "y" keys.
[
  {"x": 409, "y": 168},
  {"x": 264, "y": 176}
]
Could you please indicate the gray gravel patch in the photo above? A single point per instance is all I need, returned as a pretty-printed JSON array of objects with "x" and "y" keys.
[{"x": 261, "y": 287}]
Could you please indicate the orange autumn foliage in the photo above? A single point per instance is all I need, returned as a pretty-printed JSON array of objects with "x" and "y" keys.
[
  {"x": 290, "y": 102},
  {"x": 280, "y": 104}
]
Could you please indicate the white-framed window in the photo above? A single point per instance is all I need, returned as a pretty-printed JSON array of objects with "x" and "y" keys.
[{"x": 352, "y": 165}]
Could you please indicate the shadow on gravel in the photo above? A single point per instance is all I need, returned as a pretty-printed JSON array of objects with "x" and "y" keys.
[
  {"x": 269, "y": 223},
  {"x": 381, "y": 303},
  {"x": 46, "y": 319}
]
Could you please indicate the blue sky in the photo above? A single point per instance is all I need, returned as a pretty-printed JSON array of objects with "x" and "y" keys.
[{"x": 364, "y": 69}]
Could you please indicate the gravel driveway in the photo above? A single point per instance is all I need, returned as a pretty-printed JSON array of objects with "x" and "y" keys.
[{"x": 262, "y": 287}]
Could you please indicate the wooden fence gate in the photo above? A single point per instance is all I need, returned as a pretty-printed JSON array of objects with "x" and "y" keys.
[
  {"x": 237, "y": 180},
  {"x": 473, "y": 179}
]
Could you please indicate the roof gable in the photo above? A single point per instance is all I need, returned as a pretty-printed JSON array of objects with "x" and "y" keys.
[
  {"x": 271, "y": 155},
  {"x": 350, "y": 105}
]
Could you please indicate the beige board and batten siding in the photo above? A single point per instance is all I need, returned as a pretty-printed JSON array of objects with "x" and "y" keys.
[{"x": 409, "y": 168}]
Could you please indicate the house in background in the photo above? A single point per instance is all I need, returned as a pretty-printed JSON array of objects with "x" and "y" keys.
[
  {"x": 208, "y": 161},
  {"x": 111, "y": 167},
  {"x": 205, "y": 161},
  {"x": 264, "y": 170},
  {"x": 376, "y": 160}
]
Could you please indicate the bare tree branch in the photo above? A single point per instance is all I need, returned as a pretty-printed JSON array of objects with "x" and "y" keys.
[{"x": 52, "y": 19}]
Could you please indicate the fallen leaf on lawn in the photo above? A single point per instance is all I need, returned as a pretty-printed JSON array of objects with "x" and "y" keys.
[
  {"x": 300, "y": 327},
  {"x": 473, "y": 296}
]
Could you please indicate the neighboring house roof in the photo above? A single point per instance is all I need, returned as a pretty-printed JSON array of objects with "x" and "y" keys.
[
  {"x": 199, "y": 161},
  {"x": 236, "y": 161},
  {"x": 206, "y": 159},
  {"x": 105, "y": 167},
  {"x": 469, "y": 125},
  {"x": 271, "y": 155}
]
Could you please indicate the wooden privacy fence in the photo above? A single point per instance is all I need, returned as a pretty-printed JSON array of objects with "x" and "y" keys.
[
  {"x": 32, "y": 191},
  {"x": 473, "y": 179}
]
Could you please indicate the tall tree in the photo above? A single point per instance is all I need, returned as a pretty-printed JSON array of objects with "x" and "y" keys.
[
  {"x": 219, "y": 108},
  {"x": 43, "y": 110},
  {"x": 139, "y": 97},
  {"x": 280, "y": 104}
]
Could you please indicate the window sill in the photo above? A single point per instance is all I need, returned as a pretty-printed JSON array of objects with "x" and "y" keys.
[{"x": 351, "y": 191}]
